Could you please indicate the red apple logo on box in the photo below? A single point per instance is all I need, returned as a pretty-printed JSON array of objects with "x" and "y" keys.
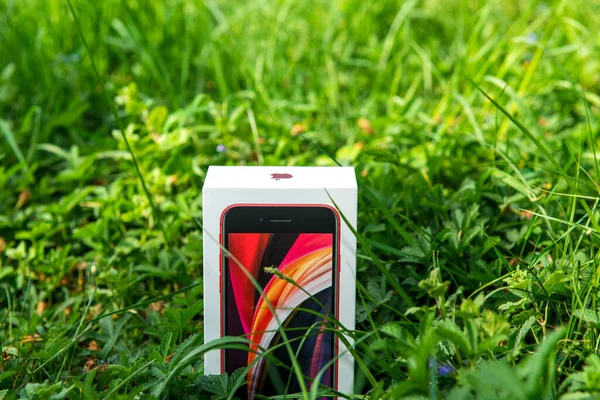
[{"x": 280, "y": 176}]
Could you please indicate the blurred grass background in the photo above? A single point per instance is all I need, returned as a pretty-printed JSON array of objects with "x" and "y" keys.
[{"x": 390, "y": 87}]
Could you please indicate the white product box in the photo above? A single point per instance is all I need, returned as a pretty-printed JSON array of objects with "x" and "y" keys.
[{"x": 231, "y": 197}]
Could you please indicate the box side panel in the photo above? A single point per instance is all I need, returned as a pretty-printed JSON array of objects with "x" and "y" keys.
[
  {"x": 212, "y": 207},
  {"x": 346, "y": 202}
]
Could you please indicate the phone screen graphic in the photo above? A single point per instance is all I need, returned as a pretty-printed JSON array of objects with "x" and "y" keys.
[{"x": 308, "y": 259}]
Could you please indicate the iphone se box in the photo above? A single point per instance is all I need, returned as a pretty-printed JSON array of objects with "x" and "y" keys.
[{"x": 280, "y": 229}]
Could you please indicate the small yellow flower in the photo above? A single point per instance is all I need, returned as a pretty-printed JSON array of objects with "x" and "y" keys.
[
  {"x": 24, "y": 197},
  {"x": 298, "y": 129},
  {"x": 365, "y": 126}
]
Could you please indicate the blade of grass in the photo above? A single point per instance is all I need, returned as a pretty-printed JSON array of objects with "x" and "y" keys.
[
  {"x": 65, "y": 348},
  {"x": 565, "y": 222},
  {"x": 255, "y": 135},
  {"x": 4, "y": 318},
  {"x": 586, "y": 106},
  {"x": 376, "y": 261},
  {"x": 390, "y": 218},
  {"x": 10, "y": 139},
  {"x": 83, "y": 316},
  {"x": 143, "y": 303},
  {"x": 388, "y": 44},
  {"x": 36, "y": 131},
  {"x": 124, "y": 381},
  {"x": 521, "y": 127},
  {"x": 321, "y": 149},
  {"x": 113, "y": 110}
]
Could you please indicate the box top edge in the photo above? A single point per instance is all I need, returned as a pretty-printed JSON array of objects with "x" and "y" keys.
[{"x": 287, "y": 177}]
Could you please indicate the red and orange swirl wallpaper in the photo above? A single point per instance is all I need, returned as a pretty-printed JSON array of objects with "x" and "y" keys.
[{"x": 301, "y": 308}]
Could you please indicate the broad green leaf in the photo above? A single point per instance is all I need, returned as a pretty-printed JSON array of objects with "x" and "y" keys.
[
  {"x": 589, "y": 316},
  {"x": 520, "y": 186},
  {"x": 469, "y": 308},
  {"x": 593, "y": 361},
  {"x": 433, "y": 285},
  {"x": 521, "y": 333},
  {"x": 578, "y": 396},
  {"x": 165, "y": 343},
  {"x": 397, "y": 332},
  {"x": 450, "y": 331},
  {"x": 556, "y": 283},
  {"x": 402, "y": 390},
  {"x": 537, "y": 367},
  {"x": 157, "y": 118},
  {"x": 494, "y": 324},
  {"x": 222, "y": 386},
  {"x": 189, "y": 312},
  {"x": 8, "y": 374},
  {"x": 6, "y": 271},
  {"x": 495, "y": 380}
]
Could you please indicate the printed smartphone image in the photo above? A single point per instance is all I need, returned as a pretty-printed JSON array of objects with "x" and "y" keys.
[{"x": 300, "y": 243}]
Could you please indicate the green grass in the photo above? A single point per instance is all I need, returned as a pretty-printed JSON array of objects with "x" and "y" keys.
[{"x": 473, "y": 128}]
